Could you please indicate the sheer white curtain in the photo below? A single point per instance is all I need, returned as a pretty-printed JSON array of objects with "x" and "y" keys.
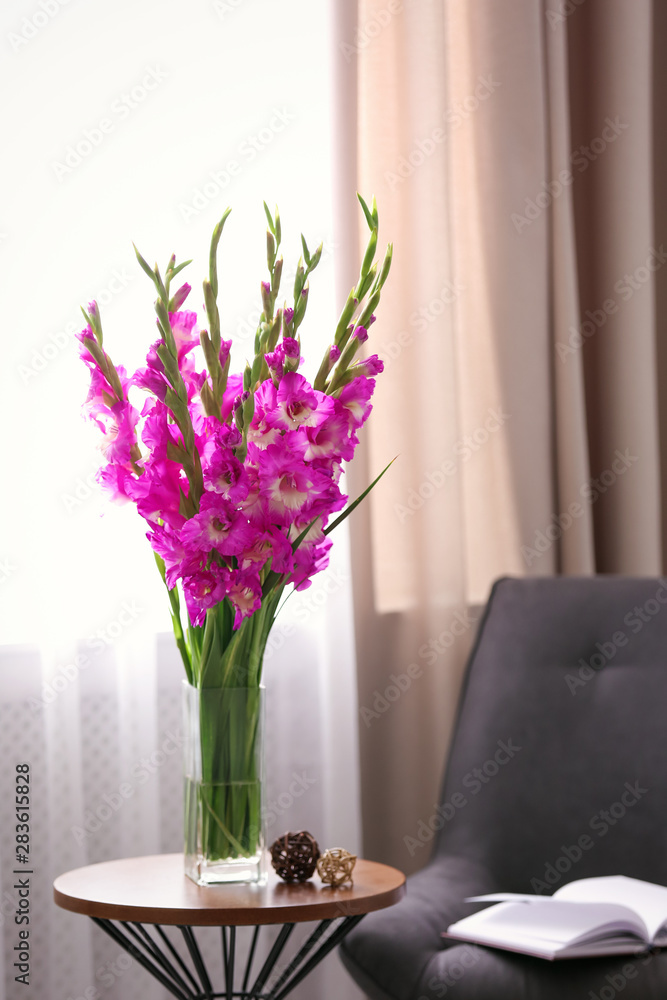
[{"x": 142, "y": 122}]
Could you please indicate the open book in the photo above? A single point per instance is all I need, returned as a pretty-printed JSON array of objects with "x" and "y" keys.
[{"x": 613, "y": 915}]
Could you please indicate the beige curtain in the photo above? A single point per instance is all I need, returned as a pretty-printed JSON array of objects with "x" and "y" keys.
[{"x": 510, "y": 144}]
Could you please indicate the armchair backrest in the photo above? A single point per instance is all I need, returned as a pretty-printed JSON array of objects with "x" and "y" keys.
[{"x": 558, "y": 764}]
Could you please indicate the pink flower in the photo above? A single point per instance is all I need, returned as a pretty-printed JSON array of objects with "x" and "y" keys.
[
  {"x": 152, "y": 378},
  {"x": 354, "y": 398},
  {"x": 332, "y": 439},
  {"x": 291, "y": 348},
  {"x": 203, "y": 589},
  {"x": 218, "y": 525},
  {"x": 361, "y": 334},
  {"x": 233, "y": 389},
  {"x": 157, "y": 493},
  {"x": 185, "y": 331},
  {"x": 168, "y": 545},
  {"x": 298, "y": 404},
  {"x": 245, "y": 593},
  {"x": 276, "y": 362},
  {"x": 270, "y": 544},
  {"x": 288, "y": 485},
  {"x": 311, "y": 557},
  {"x": 368, "y": 368},
  {"x": 226, "y": 475},
  {"x": 261, "y": 432},
  {"x": 285, "y": 481}
]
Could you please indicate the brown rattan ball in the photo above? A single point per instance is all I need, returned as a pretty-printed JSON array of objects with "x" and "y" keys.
[{"x": 294, "y": 856}]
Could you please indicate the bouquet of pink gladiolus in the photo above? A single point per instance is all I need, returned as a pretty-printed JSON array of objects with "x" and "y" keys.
[{"x": 236, "y": 474}]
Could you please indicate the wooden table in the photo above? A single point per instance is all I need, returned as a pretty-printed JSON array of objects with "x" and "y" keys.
[{"x": 123, "y": 896}]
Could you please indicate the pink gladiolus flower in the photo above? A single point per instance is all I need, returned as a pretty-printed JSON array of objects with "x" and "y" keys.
[
  {"x": 285, "y": 482},
  {"x": 203, "y": 589},
  {"x": 288, "y": 485},
  {"x": 297, "y": 403},
  {"x": 152, "y": 378},
  {"x": 354, "y": 399},
  {"x": 168, "y": 545},
  {"x": 233, "y": 389},
  {"x": 368, "y": 368},
  {"x": 218, "y": 525},
  {"x": 180, "y": 296},
  {"x": 334, "y": 353},
  {"x": 226, "y": 475},
  {"x": 291, "y": 348},
  {"x": 331, "y": 439},
  {"x": 309, "y": 559},
  {"x": 361, "y": 333},
  {"x": 270, "y": 544},
  {"x": 276, "y": 362},
  {"x": 261, "y": 433},
  {"x": 288, "y": 315},
  {"x": 245, "y": 594},
  {"x": 185, "y": 331}
]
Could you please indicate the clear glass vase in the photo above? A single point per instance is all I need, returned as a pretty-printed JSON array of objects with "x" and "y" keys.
[{"x": 223, "y": 777}]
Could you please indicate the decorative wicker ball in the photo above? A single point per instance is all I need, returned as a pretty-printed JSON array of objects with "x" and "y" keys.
[
  {"x": 335, "y": 866},
  {"x": 294, "y": 856}
]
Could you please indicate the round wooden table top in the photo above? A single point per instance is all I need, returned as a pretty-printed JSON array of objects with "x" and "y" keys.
[{"x": 155, "y": 890}]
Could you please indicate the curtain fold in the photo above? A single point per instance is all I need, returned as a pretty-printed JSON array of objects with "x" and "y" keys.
[{"x": 510, "y": 145}]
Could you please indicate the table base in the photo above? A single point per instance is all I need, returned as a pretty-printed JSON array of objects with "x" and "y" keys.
[{"x": 156, "y": 953}]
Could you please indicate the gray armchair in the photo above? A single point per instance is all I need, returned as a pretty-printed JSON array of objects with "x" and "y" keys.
[{"x": 557, "y": 771}]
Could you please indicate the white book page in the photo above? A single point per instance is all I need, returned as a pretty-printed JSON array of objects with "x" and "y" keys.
[
  {"x": 549, "y": 920},
  {"x": 645, "y": 898}
]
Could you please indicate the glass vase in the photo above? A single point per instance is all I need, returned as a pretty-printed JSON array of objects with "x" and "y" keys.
[{"x": 223, "y": 776}]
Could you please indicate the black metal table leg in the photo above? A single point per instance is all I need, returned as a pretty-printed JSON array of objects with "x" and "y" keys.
[{"x": 183, "y": 971}]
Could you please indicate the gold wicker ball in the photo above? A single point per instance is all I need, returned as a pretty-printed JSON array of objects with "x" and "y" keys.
[
  {"x": 294, "y": 856},
  {"x": 335, "y": 866}
]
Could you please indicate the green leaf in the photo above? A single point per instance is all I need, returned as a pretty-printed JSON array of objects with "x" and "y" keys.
[
  {"x": 145, "y": 265},
  {"x": 306, "y": 254},
  {"x": 172, "y": 274},
  {"x": 348, "y": 510},
  {"x": 367, "y": 212},
  {"x": 269, "y": 219},
  {"x": 213, "y": 253}
]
